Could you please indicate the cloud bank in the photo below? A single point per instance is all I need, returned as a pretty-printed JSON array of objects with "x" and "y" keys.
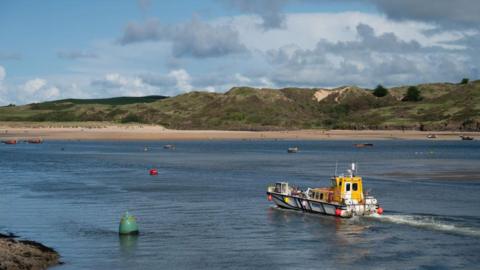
[
  {"x": 192, "y": 39},
  {"x": 266, "y": 46}
]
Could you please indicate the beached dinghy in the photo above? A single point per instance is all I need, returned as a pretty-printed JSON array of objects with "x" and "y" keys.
[{"x": 345, "y": 198}]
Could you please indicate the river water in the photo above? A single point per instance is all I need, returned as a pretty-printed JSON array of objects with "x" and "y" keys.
[{"x": 207, "y": 208}]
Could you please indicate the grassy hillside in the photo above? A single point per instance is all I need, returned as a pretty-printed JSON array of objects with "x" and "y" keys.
[{"x": 443, "y": 107}]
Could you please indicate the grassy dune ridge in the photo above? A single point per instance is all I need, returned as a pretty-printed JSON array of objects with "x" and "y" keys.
[{"x": 444, "y": 106}]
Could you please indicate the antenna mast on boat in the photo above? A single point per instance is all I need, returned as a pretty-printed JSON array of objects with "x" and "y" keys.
[
  {"x": 353, "y": 170},
  {"x": 336, "y": 167}
]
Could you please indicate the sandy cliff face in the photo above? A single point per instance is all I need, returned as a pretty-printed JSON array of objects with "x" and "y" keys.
[
  {"x": 322, "y": 94},
  {"x": 339, "y": 94}
]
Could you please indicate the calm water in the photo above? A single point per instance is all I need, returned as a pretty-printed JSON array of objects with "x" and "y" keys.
[{"x": 207, "y": 208}]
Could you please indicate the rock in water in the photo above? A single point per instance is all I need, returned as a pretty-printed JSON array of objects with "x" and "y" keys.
[{"x": 25, "y": 254}]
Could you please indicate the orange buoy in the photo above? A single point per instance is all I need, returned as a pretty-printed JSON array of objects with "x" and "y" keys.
[
  {"x": 379, "y": 210},
  {"x": 338, "y": 212},
  {"x": 153, "y": 172},
  {"x": 269, "y": 197}
]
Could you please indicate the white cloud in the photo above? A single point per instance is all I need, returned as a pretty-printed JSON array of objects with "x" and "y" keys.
[
  {"x": 51, "y": 93},
  {"x": 2, "y": 73},
  {"x": 32, "y": 86},
  {"x": 3, "y": 91},
  {"x": 37, "y": 90},
  {"x": 34, "y": 90},
  {"x": 116, "y": 80},
  {"x": 182, "y": 78},
  {"x": 242, "y": 79},
  {"x": 114, "y": 84}
]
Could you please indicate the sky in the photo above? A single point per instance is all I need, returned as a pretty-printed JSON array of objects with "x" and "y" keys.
[{"x": 55, "y": 49}]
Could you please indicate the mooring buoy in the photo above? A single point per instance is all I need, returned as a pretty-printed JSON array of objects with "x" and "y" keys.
[{"x": 128, "y": 224}]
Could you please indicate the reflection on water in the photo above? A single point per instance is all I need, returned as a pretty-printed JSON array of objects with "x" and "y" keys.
[
  {"x": 128, "y": 244},
  {"x": 207, "y": 209},
  {"x": 345, "y": 236}
]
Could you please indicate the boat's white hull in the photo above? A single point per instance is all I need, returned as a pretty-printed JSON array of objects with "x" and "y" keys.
[{"x": 320, "y": 207}]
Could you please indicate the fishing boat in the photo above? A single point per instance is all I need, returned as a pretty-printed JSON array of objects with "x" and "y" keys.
[
  {"x": 292, "y": 149},
  {"x": 344, "y": 198}
]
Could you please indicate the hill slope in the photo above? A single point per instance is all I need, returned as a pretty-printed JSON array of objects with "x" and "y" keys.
[{"x": 443, "y": 107}]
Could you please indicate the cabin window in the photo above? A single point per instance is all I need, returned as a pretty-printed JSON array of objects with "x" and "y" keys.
[
  {"x": 347, "y": 187},
  {"x": 355, "y": 186},
  {"x": 321, "y": 196},
  {"x": 340, "y": 183}
]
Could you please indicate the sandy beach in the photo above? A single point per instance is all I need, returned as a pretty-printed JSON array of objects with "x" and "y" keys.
[{"x": 102, "y": 131}]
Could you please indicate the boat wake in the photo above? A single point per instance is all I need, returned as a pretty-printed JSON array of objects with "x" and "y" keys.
[{"x": 429, "y": 222}]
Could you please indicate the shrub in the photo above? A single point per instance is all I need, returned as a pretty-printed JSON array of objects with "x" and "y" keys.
[
  {"x": 380, "y": 91},
  {"x": 131, "y": 117},
  {"x": 464, "y": 81},
  {"x": 413, "y": 94}
]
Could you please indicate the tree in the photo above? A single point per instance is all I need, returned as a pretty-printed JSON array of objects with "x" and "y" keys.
[
  {"x": 380, "y": 91},
  {"x": 464, "y": 81},
  {"x": 413, "y": 94}
]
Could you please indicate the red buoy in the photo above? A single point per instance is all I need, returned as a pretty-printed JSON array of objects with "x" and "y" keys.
[
  {"x": 338, "y": 212},
  {"x": 269, "y": 197},
  {"x": 153, "y": 172},
  {"x": 379, "y": 210}
]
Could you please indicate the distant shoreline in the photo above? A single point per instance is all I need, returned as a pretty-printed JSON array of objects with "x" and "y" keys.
[{"x": 118, "y": 132}]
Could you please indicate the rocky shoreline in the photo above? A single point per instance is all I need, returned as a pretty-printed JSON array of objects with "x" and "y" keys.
[{"x": 25, "y": 254}]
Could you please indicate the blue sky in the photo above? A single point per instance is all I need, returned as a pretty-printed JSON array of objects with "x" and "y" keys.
[{"x": 60, "y": 49}]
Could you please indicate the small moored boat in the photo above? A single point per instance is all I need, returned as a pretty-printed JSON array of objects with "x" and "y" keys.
[
  {"x": 344, "y": 198},
  {"x": 361, "y": 145},
  {"x": 9, "y": 141},
  {"x": 466, "y": 138},
  {"x": 292, "y": 149},
  {"x": 169, "y": 146},
  {"x": 35, "y": 141},
  {"x": 431, "y": 136}
]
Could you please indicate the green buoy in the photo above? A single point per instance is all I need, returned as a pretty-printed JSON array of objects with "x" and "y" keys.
[{"x": 128, "y": 225}]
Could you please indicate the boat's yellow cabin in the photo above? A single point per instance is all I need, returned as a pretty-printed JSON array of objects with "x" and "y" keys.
[{"x": 347, "y": 187}]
